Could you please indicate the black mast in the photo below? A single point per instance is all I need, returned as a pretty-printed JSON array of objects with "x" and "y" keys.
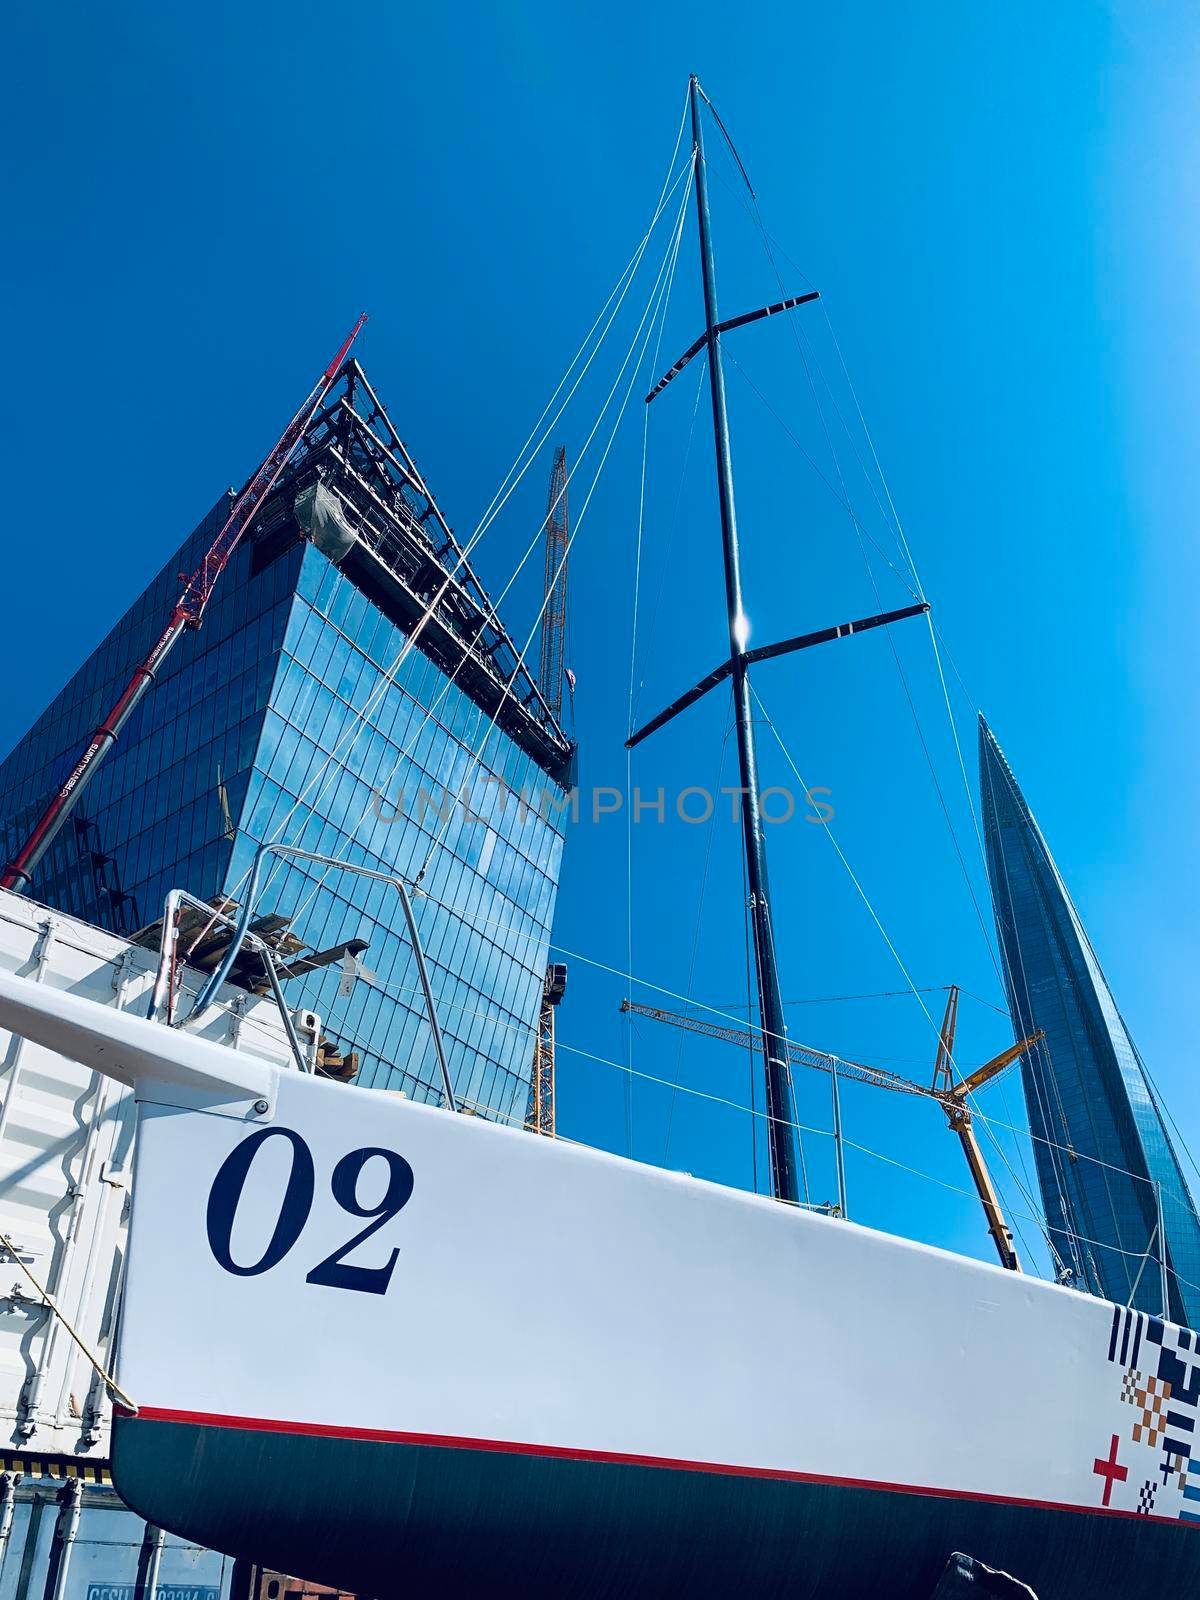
[{"x": 770, "y": 1004}]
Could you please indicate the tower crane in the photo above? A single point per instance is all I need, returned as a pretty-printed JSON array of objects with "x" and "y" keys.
[
  {"x": 188, "y": 612},
  {"x": 955, "y": 1102},
  {"x": 539, "y": 1112},
  {"x": 953, "y": 1097},
  {"x": 554, "y": 614}
]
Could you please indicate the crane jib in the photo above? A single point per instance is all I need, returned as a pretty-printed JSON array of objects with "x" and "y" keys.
[{"x": 187, "y": 612}]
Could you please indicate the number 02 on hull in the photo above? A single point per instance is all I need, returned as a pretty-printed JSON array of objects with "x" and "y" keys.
[{"x": 347, "y": 1365}]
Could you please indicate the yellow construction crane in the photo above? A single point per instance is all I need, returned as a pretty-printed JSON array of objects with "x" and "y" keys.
[
  {"x": 954, "y": 1098},
  {"x": 553, "y": 667},
  {"x": 951, "y": 1096},
  {"x": 540, "y": 1112}
]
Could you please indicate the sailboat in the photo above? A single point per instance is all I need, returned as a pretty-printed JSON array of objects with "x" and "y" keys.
[{"x": 700, "y": 1391}]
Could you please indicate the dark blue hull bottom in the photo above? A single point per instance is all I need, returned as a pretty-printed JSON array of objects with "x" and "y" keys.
[{"x": 402, "y": 1519}]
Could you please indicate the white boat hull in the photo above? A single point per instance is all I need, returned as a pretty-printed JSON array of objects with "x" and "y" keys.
[{"x": 588, "y": 1375}]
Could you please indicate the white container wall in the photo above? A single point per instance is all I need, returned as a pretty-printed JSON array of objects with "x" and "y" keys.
[{"x": 66, "y": 1139}]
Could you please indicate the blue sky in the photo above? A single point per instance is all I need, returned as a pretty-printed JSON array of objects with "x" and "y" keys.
[{"x": 999, "y": 206}]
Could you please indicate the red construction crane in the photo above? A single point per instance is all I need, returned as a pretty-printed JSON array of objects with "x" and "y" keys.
[
  {"x": 188, "y": 613},
  {"x": 554, "y": 616}
]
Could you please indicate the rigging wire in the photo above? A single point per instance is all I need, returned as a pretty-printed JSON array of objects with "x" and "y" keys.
[
  {"x": 664, "y": 194},
  {"x": 903, "y": 537},
  {"x": 893, "y": 994},
  {"x": 635, "y": 694},
  {"x": 321, "y": 776},
  {"x": 702, "y": 368},
  {"x": 633, "y": 633},
  {"x": 802, "y": 344},
  {"x": 721, "y": 758},
  {"x": 1006, "y": 983},
  {"x": 1163, "y": 1107},
  {"x": 662, "y": 290},
  {"x": 690, "y": 1002},
  {"x": 969, "y": 1194},
  {"x": 861, "y": 533},
  {"x": 751, "y": 1055},
  {"x": 933, "y": 633},
  {"x": 899, "y": 533},
  {"x": 656, "y": 303},
  {"x": 877, "y": 920},
  {"x": 1023, "y": 1019},
  {"x": 486, "y": 522},
  {"x": 731, "y": 1017},
  {"x": 837, "y": 494},
  {"x": 476, "y": 758}
]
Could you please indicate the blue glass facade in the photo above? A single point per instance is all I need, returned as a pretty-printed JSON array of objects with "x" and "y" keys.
[
  {"x": 287, "y": 718},
  {"x": 1102, "y": 1148},
  {"x": 154, "y": 814},
  {"x": 404, "y": 788}
]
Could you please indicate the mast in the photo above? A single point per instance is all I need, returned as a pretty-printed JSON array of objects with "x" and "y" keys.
[{"x": 770, "y": 1003}]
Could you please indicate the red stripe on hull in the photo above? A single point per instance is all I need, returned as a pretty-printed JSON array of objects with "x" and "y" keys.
[{"x": 322, "y": 1430}]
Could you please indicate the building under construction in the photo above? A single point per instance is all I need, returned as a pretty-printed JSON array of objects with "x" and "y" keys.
[{"x": 351, "y": 691}]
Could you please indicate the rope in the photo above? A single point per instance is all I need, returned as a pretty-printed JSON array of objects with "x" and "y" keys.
[{"x": 110, "y": 1383}]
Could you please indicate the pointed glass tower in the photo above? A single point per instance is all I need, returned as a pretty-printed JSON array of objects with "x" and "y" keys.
[{"x": 1103, "y": 1152}]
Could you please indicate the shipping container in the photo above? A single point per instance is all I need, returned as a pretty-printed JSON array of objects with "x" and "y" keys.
[
  {"x": 65, "y": 1535},
  {"x": 66, "y": 1148}
]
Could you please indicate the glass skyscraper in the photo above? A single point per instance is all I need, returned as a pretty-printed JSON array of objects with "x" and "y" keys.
[
  {"x": 1104, "y": 1157},
  {"x": 352, "y": 692}
]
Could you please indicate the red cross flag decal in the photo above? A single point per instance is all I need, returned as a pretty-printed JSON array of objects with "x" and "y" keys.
[{"x": 1109, "y": 1470}]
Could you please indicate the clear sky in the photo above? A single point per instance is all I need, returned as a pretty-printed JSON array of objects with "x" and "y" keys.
[{"x": 999, "y": 204}]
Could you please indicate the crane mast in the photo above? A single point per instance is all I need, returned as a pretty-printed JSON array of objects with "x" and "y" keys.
[
  {"x": 954, "y": 1100},
  {"x": 540, "y": 1111},
  {"x": 554, "y": 613},
  {"x": 187, "y": 613}
]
